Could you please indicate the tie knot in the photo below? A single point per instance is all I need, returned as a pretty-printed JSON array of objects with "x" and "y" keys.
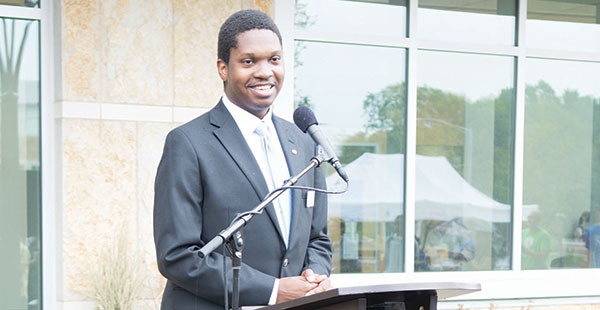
[{"x": 262, "y": 130}]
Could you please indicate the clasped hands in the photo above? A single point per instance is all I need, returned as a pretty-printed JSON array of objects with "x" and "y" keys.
[{"x": 308, "y": 283}]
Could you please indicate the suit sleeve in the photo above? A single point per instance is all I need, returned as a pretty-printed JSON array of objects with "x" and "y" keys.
[
  {"x": 178, "y": 205},
  {"x": 319, "y": 252}
]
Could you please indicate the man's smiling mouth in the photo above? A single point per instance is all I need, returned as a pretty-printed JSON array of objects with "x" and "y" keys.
[{"x": 262, "y": 87}]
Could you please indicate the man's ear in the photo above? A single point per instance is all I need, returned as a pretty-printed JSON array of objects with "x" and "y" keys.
[{"x": 222, "y": 68}]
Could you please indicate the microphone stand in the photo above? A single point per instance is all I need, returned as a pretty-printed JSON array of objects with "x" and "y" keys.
[{"x": 232, "y": 235}]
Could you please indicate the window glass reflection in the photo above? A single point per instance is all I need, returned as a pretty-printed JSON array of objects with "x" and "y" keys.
[
  {"x": 464, "y": 162},
  {"x": 360, "y": 104},
  {"x": 482, "y": 22},
  {"x": 379, "y": 18},
  {"x": 564, "y": 24},
  {"x": 20, "y": 165},
  {"x": 561, "y": 168}
]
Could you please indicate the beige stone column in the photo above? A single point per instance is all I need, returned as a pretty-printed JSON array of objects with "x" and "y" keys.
[{"x": 130, "y": 72}]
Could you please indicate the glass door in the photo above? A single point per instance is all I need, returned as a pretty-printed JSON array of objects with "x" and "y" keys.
[{"x": 20, "y": 206}]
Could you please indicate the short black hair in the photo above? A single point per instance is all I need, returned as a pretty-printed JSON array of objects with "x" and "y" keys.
[{"x": 239, "y": 22}]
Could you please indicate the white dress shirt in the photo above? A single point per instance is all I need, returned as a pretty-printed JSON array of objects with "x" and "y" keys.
[{"x": 247, "y": 123}]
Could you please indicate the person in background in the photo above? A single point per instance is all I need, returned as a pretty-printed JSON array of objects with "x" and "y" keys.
[
  {"x": 582, "y": 226},
  {"x": 592, "y": 240},
  {"x": 536, "y": 245},
  {"x": 394, "y": 247},
  {"x": 449, "y": 246}
]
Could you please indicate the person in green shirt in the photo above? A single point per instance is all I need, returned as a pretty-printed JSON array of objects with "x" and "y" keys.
[{"x": 536, "y": 244}]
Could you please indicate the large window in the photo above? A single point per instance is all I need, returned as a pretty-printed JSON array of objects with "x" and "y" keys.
[
  {"x": 463, "y": 164},
  {"x": 564, "y": 24},
  {"x": 463, "y": 182},
  {"x": 562, "y": 165},
  {"x": 482, "y": 22},
  {"x": 365, "y": 119},
  {"x": 364, "y": 17},
  {"x": 20, "y": 239},
  {"x": 359, "y": 96},
  {"x": 470, "y": 133}
]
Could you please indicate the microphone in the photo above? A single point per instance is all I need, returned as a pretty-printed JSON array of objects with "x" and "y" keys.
[{"x": 305, "y": 119}]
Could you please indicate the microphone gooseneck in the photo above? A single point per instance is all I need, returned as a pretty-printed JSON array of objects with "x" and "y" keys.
[{"x": 305, "y": 119}]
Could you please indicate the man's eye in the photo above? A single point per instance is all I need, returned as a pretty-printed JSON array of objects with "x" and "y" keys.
[
  {"x": 276, "y": 58},
  {"x": 247, "y": 61}
]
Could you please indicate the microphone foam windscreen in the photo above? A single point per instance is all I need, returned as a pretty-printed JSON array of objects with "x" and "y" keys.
[{"x": 304, "y": 118}]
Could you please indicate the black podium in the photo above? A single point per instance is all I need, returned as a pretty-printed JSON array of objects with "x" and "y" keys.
[{"x": 401, "y": 296}]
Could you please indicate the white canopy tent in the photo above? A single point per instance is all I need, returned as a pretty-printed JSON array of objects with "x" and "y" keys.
[{"x": 376, "y": 192}]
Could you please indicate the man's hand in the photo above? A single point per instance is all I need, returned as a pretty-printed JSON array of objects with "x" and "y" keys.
[
  {"x": 294, "y": 287},
  {"x": 322, "y": 280},
  {"x": 306, "y": 284}
]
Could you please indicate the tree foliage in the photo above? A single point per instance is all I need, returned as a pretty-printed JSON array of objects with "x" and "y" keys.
[{"x": 561, "y": 149}]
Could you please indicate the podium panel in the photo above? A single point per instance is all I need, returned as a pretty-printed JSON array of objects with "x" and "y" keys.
[{"x": 401, "y": 296}]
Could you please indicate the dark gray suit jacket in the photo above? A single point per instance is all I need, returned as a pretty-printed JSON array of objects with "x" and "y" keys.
[{"x": 206, "y": 176}]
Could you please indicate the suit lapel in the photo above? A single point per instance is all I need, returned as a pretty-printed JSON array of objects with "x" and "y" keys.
[{"x": 230, "y": 136}]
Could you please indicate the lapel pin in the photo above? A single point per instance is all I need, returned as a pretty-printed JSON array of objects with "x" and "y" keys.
[{"x": 294, "y": 151}]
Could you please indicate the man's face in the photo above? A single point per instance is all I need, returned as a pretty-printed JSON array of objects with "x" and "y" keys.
[{"x": 255, "y": 72}]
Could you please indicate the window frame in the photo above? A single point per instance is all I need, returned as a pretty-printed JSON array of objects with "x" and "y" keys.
[
  {"x": 514, "y": 287},
  {"x": 48, "y": 152}
]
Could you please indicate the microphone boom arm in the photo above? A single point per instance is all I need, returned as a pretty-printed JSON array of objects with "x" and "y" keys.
[{"x": 228, "y": 232}]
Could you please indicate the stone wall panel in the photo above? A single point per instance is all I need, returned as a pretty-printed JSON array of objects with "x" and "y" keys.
[
  {"x": 138, "y": 51},
  {"x": 99, "y": 193},
  {"x": 81, "y": 57},
  {"x": 197, "y": 24}
]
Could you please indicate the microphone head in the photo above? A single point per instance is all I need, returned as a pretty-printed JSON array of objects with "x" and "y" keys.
[{"x": 304, "y": 118}]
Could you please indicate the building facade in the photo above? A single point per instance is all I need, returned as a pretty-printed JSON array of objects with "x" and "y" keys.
[{"x": 470, "y": 131}]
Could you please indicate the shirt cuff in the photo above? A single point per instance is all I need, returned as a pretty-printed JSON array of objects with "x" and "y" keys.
[{"x": 273, "y": 298}]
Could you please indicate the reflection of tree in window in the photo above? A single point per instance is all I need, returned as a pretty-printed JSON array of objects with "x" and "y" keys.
[
  {"x": 441, "y": 121},
  {"x": 562, "y": 152},
  {"x": 386, "y": 111},
  {"x": 352, "y": 151},
  {"x": 386, "y": 117},
  {"x": 19, "y": 169}
]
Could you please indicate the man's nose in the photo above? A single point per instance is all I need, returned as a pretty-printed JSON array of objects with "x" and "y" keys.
[{"x": 264, "y": 70}]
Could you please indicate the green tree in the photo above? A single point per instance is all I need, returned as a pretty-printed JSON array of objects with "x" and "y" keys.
[
  {"x": 503, "y": 146},
  {"x": 449, "y": 125},
  {"x": 386, "y": 112},
  {"x": 559, "y": 152}
]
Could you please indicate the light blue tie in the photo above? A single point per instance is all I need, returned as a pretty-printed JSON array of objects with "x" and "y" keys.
[{"x": 275, "y": 180}]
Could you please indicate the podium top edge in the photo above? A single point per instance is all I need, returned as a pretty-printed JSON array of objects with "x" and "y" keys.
[{"x": 443, "y": 289}]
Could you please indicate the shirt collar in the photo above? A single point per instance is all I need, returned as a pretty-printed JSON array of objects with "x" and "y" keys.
[{"x": 246, "y": 121}]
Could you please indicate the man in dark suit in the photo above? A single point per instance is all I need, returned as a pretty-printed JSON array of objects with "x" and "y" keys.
[{"x": 213, "y": 168}]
